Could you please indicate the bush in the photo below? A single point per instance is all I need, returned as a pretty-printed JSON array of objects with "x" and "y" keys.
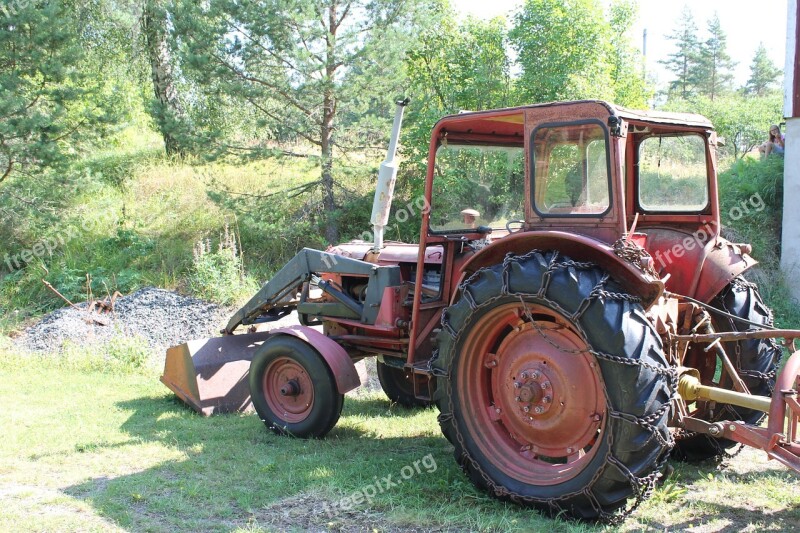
[
  {"x": 751, "y": 205},
  {"x": 219, "y": 275}
]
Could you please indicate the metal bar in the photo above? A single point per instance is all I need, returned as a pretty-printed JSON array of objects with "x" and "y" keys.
[
  {"x": 738, "y": 384},
  {"x": 739, "y": 335},
  {"x": 690, "y": 389},
  {"x": 785, "y": 382}
]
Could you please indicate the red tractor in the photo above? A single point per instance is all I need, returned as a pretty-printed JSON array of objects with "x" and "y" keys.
[{"x": 571, "y": 309}]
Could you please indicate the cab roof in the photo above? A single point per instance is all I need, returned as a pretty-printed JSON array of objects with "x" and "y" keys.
[{"x": 509, "y": 121}]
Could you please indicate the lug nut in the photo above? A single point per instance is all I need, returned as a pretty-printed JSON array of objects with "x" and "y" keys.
[
  {"x": 524, "y": 375},
  {"x": 538, "y": 409},
  {"x": 535, "y": 374},
  {"x": 547, "y": 399},
  {"x": 517, "y": 384},
  {"x": 526, "y": 409},
  {"x": 517, "y": 399}
]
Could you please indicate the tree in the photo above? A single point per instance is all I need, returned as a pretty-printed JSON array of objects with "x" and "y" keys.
[
  {"x": 296, "y": 63},
  {"x": 743, "y": 122},
  {"x": 714, "y": 72},
  {"x": 48, "y": 103},
  {"x": 454, "y": 66},
  {"x": 763, "y": 73},
  {"x": 561, "y": 47},
  {"x": 684, "y": 61},
  {"x": 573, "y": 49},
  {"x": 627, "y": 65},
  {"x": 166, "y": 108}
]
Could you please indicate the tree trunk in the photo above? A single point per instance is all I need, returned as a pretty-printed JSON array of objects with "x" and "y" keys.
[
  {"x": 168, "y": 113},
  {"x": 327, "y": 125}
]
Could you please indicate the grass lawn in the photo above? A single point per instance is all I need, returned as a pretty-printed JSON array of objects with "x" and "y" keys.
[{"x": 86, "y": 450}]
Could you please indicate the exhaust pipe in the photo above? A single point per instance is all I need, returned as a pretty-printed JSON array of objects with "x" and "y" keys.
[{"x": 387, "y": 175}]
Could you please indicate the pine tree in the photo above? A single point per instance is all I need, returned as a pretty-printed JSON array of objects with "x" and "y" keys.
[
  {"x": 298, "y": 64},
  {"x": 684, "y": 61},
  {"x": 714, "y": 73},
  {"x": 48, "y": 102},
  {"x": 763, "y": 73}
]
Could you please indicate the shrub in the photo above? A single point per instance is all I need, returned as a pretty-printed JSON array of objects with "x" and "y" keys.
[{"x": 218, "y": 275}]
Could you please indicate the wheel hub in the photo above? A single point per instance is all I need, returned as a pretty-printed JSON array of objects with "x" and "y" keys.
[
  {"x": 292, "y": 388},
  {"x": 288, "y": 389},
  {"x": 534, "y": 392}
]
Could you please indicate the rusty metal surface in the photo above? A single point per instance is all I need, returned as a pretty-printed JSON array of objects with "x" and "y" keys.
[
  {"x": 211, "y": 374},
  {"x": 538, "y": 408},
  {"x": 344, "y": 371},
  {"x": 576, "y": 247},
  {"x": 391, "y": 253}
]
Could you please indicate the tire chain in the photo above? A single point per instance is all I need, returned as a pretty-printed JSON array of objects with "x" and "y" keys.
[{"x": 642, "y": 486}]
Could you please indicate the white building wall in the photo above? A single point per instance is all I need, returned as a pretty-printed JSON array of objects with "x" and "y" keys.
[{"x": 790, "y": 251}]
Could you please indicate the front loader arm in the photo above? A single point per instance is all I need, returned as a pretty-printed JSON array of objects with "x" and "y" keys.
[{"x": 279, "y": 293}]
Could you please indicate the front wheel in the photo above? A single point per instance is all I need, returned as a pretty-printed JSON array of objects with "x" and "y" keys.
[
  {"x": 555, "y": 391},
  {"x": 293, "y": 390}
]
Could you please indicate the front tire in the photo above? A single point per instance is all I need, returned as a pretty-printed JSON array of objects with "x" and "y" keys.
[
  {"x": 557, "y": 391},
  {"x": 293, "y": 390}
]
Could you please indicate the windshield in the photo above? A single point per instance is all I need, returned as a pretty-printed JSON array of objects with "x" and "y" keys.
[
  {"x": 571, "y": 169},
  {"x": 477, "y": 185},
  {"x": 672, "y": 173}
]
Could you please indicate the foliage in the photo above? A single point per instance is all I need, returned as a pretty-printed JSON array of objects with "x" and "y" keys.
[
  {"x": 683, "y": 61},
  {"x": 568, "y": 50},
  {"x": 218, "y": 275},
  {"x": 714, "y": 70},
  {"x": 49, "y": 102},
  {"x": 630, "y": 88},
  {"x": 298, "y": 64},
  {"x": 764, "y": 75},
  {"x": 742, "y": 121}
]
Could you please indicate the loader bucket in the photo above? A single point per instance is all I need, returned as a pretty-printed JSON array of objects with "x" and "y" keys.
[{"x": 210, "y": 375}]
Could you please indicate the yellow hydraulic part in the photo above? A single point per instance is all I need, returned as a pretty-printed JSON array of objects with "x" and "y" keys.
[{"x": 691, "y": 389}]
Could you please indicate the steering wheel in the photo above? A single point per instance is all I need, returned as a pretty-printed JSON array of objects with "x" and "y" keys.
[{"x": 510, "y": 222}]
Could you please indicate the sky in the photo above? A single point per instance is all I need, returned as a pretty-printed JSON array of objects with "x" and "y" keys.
[{"x": 746, "y": 23}]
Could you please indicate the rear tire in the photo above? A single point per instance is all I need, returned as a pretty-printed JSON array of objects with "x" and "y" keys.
[
  {"x": 542, "y": 325},
  {"x": 398, "y": 387},
  {"x": 293, "y": 390},
  {"x": 756, "y": 360}
]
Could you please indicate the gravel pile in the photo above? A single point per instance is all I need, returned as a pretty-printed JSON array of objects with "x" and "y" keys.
[{"x": 162, "y": 318}]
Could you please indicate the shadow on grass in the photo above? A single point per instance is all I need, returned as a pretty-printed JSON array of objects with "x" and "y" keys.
[
  {"x": 711, "y": 506},
  {"x": 232, "y": 472},
  {"x": 738, "y": 519}
]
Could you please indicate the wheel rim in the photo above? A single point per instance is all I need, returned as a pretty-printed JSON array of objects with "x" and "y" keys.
[
  {"x": 288, "y": 390},
  {"x": 532, "y": 395}
]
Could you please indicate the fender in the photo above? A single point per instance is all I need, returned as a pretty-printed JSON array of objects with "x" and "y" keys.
[
  {"x": 724, "y": 262},
  {"x": 342, "y": 367},
  {"x": 577, "y": 247}
]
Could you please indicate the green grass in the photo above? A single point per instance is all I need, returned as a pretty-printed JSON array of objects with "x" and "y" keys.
[{"x": 89, "y": 450}]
